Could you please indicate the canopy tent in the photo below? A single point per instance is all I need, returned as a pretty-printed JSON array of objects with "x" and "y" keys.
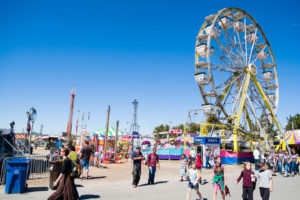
[
  {"x": 111, "y": 132},
  {"x": 189, "y": 138},
  {"x": 293, "y": 137},
  {"x": 130, "y": 136}
]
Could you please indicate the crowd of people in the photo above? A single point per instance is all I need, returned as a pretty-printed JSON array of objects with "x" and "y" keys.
[
  {"x": 190, "y": 170},
  {"x": 73, "y": 165},
  {"x": 282, "y": 162}
]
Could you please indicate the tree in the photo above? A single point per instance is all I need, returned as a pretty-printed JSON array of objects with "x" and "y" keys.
[
  {"x": 293, "y": 120},
  {"x": 272, "y": 131},
  {"x": 161, "y": 128}
]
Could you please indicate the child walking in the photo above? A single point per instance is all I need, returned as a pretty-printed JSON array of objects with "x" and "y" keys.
[
  {"x": 248, "y": 181},
  {"x": 219, "y": 178},
  {"x": 193, "y": 181},
  {"x": 183, "y": 167},
  {"x": 266, "y": 181}
]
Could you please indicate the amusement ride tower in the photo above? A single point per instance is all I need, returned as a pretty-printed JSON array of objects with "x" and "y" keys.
[{"x": 134, "y": 128}]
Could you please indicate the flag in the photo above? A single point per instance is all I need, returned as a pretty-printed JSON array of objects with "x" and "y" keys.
[
  {"x": 77, "y": 125},
  {"x": 83, "y": 117},
  {"x": 89, "y": 116}
]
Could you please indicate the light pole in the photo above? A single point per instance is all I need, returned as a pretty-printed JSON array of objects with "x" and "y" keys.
[
  {"x": 168, "y": 136},
  {"x": 31, "y": 115}
]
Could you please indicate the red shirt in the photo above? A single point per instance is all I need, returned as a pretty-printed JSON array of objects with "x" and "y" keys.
[
  {"x": 199, "y": 161},
  {"x": 246, "y": 175},
  {"x": 152, "y": 160}
]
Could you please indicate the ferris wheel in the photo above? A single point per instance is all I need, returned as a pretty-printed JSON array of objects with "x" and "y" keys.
[{"x": 236, "y": 74}]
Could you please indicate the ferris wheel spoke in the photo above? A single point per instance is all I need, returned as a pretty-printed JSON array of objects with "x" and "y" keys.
[
  {"x": 240, "y": 44},
  {"x": 221, "y": 59},
  {"x": 245, "y": 36},
  {"x": 251, "y": 47},
  {"x": 226, "y": 50},
  {"x": 230, "y": 38},
  {"x": 230, "y": 46},
  {"x": 259, "y": 53},
  {"x": 226, "y": 68}
]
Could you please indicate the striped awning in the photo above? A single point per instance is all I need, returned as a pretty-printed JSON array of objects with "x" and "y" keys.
[
  {"x": 111, "y": 132},
  {"x": 20, "y": 136}
]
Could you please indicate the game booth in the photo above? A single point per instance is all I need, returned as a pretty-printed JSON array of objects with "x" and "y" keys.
[
  {"x": 174, "y": 149},
  {"x": 211, "y": 144},
  {"x": 53, "y": 142}
]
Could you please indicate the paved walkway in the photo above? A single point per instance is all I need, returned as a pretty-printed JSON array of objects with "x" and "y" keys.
[{"x": 166, "y": 188}]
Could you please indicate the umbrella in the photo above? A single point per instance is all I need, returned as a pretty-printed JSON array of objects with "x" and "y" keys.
[{"x": 145, "y": 142}]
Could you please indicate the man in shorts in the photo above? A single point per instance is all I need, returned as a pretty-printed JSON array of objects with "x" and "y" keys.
[{"x": 84, "y": 156}]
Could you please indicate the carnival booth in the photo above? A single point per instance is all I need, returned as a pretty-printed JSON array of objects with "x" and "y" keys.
[
  {"x": 53, "y": 142},
  {"x": 211, "y": 144},
  {"x": 174, "y": 149}
]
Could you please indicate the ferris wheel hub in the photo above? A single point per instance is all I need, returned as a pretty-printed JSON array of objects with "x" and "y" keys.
[{"x": 252, "y": 68}]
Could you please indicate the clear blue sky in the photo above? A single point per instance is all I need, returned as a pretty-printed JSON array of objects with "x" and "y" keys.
[{"x": 115, "y": 51}]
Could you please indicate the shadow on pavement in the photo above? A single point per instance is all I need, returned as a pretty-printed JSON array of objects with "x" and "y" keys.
[
  {"x": 96, "y": 177},
  {"x": 78, "y": 185},
  {"x": 89, "y": 196},
  {"x": 158, "y": 182},
  {"x": 37, "y": 189}
]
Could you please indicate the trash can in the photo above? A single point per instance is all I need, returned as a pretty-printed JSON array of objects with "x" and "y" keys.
[
  {"x": 17, "y": 172},
  {"x": 55, "y": 170}
]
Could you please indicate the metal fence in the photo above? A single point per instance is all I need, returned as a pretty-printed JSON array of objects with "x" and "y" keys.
[{"x": 39, "y": 167}]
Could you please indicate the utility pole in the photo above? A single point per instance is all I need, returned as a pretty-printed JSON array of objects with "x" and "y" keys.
[
  {"x": 117, "y": 138},
  {"x": 106, "y": 131},
  {"x": 69, "y": 128}
]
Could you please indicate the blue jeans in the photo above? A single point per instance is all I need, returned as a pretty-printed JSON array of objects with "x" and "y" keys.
[
  {"x": 279, "y": 164},
  {"x": 256, "y": 161},
  {"x": 152, "y": 171},
  {"x": 287, "y": 168},
  {"x": 293, "y": 167},
  {"x": 85, "y": 164},
  {"x": 207, "y": 164}
]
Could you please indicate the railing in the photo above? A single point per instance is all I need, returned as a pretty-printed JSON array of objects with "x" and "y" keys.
[{"x": 39, "y": 167}]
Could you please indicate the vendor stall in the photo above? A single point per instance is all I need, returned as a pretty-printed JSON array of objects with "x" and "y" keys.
[{"x": 207, "y": 144}]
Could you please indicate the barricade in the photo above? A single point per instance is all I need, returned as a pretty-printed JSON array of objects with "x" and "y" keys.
[{"x": 39, "y": 167}]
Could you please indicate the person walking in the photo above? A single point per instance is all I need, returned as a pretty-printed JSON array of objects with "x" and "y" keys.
[
  {"x": 137, "y": 158},
  {"x": 256, "y": 155},
  {"x": 280, "y": 160},
  {"x": 153, "y": 162},
  {"x": 84, "y": 156},
  {"x": 101, "y": 158},
  {"x": 199, "y": 166},
  {"x": 96, "y": 158},
  {"x": 248, "y": 181},
  {"x": 287, "y": 163},
  {"x": 194, "y": 178},
  {"x": 66, "y": 187},
  {"x": 219, "y": 178},
  {"x": 207, "y": 157},
  {"x": 183, "y": 167},
  {"x": 294, "y": 162},
  {"x": 266, "y": 181}
]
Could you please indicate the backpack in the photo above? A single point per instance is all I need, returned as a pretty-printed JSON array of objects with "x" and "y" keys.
[{"x": 76, "y": 170}]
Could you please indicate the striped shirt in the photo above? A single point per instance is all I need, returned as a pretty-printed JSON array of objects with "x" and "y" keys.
[{"x": 183, "y": 163}]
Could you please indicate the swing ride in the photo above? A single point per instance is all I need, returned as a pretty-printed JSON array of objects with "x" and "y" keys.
[{"x": 237, "y": 77}]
